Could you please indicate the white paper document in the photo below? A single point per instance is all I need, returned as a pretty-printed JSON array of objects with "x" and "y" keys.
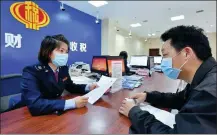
[
  {"x": 104, "y": 84},
  {"x": 81, "y": 80},
  {"x": 165, "y": 117},
  {"x": 116, "y": 73}
]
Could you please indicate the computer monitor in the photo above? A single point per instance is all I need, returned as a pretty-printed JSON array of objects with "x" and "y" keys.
[
  {"x": 110, "y": 59},
  {"x": 139, "y": 61},
  {"x": 157, "y": 59},
  {"x": 99, "y": 65}
]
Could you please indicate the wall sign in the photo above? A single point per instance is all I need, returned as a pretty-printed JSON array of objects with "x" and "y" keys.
[
  {"x": 21, "y": 43},
  {"x": 30, "y": 14},
  {"x": 74, "y": 47}
]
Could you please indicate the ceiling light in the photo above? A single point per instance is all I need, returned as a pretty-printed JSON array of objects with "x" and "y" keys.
[
  {"x": 153, "y": 34},
  {"x": 136, "y": 25},
  {"x": 149, "y": 35},
  {"x": 211, "y": 25},
  {"x": 98, "y": 3},
  {"x": 175, "y": 18}
]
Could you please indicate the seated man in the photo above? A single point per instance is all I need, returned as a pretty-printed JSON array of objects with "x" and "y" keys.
[{"x": 186, "y": 56}]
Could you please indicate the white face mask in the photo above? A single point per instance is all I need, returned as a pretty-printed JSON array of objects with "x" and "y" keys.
[{"x": 60, "y": 59}]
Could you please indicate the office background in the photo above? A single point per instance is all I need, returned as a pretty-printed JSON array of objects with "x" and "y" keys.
[
  {"x": 113, "y": 42},
  {"x": 78, "y": 27}
]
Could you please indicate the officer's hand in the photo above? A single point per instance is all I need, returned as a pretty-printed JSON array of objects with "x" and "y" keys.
[
  {"x": 93, "y": 86},
  {"x": 140, "y": 97},
  {"x": 80, "y": 101}
]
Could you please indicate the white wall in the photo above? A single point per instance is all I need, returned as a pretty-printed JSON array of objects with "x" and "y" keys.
[
  {"x": 157, "y": 43},
  {"x": 152, "y": 43},
  {"x": 114, "y": 42},
  {"x": 134, "y": 45},
  {"x": 212, "y": 42}
]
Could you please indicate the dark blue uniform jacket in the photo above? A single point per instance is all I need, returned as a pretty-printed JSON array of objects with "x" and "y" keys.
[{"x": 41, "y": 92}]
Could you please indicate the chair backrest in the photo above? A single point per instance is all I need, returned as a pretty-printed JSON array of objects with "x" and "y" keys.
[{"x": 10, "y": 86}]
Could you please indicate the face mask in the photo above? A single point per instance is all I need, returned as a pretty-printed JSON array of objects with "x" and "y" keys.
[
  {"x": 168, "y": 70},
  {"x": 60, "y": 59}
]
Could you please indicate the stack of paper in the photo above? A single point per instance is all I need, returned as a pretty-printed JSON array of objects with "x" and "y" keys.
[
  {"x": 163, "y": 116},
  {"x": 104, "y": 84},
  {"x": 133, "y": 78},
  {"x": 81, "y": 80},
  {"x": 131, "y": 82}
]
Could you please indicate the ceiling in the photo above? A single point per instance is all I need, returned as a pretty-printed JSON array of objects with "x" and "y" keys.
[{"x": 157, "y": 13}]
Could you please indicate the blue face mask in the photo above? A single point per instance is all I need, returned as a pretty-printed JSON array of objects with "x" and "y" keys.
[
  {"x": 60, "y": 59},
  {"x": 168, "y": 70}
]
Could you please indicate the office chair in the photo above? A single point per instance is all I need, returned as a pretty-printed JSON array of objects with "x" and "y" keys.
[{"x": 10, "y": 92}]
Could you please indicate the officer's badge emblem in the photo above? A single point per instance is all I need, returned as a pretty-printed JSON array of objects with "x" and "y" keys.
[{"x": 65, "y": 79}]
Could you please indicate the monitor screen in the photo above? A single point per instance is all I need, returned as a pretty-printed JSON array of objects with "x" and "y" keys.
[
  {"x": 157, "y": 59},
  {"x": 99, "y": 64},
  {"x": 110, "y": 60},
  {"x": 139, "y": 60}
]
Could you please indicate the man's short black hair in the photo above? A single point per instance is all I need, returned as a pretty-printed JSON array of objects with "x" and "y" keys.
[
  {"x": 123, "y": 54},
  {"x": 48, "y": 44},
  {"x": 189, "y": 36}
]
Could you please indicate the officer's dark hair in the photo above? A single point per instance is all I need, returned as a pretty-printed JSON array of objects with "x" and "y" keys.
[
  {"x": 48, "y": 44},
  {"x": 189, "y": 36},
  {"x": 123, "y": 54}
]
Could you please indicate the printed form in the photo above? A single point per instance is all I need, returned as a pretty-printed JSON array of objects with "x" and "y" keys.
[{"x": 104, "y": 84}]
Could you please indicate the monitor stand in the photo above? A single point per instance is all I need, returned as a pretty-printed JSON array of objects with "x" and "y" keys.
[
  {"x": 134, "y": 68},
  {"x": 137, "y": 67}
]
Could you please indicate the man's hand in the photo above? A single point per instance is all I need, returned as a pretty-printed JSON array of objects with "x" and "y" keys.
[
  {"x": 80, "y": 101},
  {"x": 126, "y": 107},
  {"x": 93, "y": 86},
  {"x": 140, "y": 97}
]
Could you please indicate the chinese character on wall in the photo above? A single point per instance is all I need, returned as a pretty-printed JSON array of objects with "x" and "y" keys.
[
  {"x": 12, "y": 40},
  {"x": 83, "y": 47},
  {"x": 74, "y": 46}
]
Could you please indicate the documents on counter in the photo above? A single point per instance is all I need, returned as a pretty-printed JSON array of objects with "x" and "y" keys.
[
  {"x": 81, "y": 80},
  {"x": 104, "y": 84},
  {"x": 165, "y": 117}
]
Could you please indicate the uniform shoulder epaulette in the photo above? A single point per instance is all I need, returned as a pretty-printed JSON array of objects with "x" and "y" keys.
[{"x": 39, "y": 67}]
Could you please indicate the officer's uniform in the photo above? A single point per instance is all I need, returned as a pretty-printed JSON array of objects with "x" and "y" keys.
[
  {"x": 196, "y": 105},
  {"x": 41, "y": 90}
]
